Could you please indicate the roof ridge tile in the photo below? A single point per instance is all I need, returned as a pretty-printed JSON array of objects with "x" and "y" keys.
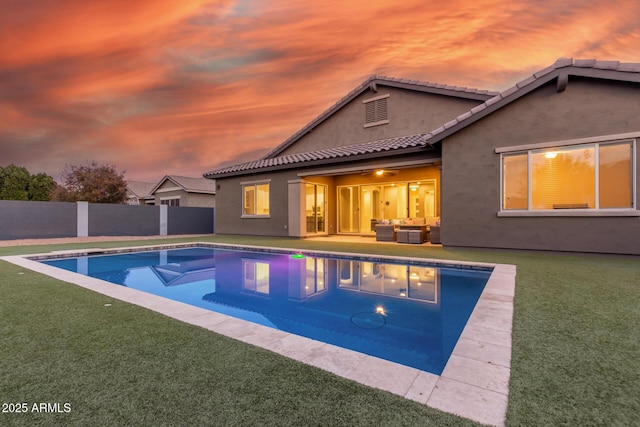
[
  {"x": 478, "y": 108},
  {"x": 563, "y": 62},
  {"x": 584, "y": 62},
  {"x": 543, "y": 72},
  {"x": 509, "y": 91},
  {"x": 607, "y": 65},
  {"x": 633, "y": 67},
  {"x": 526, "y": 81}
]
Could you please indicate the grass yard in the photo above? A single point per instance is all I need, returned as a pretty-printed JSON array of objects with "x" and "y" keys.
[{"x": 575, "y": 361}]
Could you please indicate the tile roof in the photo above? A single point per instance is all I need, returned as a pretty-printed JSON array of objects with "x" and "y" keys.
[
  {"x": 383, "y": 145},
  {"x": 189, "y": 184},
  {"x": 373, "y": 81},
  {"x": 612, "y": 69},
  {"x": 197, "y": 185},
  {"x": 139, "y": 188},
  {"x": 568, "y": 65}
]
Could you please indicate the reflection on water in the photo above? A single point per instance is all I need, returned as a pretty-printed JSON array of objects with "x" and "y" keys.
[
  {"x": 256, "y": 276},
  {"x": 410, "y": 314},
  {"x": 401, "y": 281}
]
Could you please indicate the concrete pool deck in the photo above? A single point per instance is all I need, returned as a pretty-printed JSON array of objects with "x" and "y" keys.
[{"x": 474, "y": 383}]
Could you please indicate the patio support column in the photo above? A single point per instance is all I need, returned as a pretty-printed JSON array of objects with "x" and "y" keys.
[
  {"x": 164, "y": 219},
  {"x": 296, "y": 208},
  {"x": 82, "y": 219}
]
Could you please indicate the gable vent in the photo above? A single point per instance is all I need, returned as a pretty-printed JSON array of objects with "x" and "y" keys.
[{"x": 375, "y": 111}]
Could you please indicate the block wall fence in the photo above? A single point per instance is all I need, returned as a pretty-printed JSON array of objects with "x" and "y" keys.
[{"x": 40, "y": 220}]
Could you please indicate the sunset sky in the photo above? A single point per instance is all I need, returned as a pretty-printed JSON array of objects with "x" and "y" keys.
[{"x": 158, "y": 87}]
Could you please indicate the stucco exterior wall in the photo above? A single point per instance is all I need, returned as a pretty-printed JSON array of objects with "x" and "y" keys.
[
  {"x": 228, "y": 218},
  {"x": 409, "y": 113},
  {"x": 199, "y": 200},
  {"x": 471, "y": 170}
]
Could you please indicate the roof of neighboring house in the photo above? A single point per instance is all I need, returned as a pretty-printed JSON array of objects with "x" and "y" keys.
[
  {"x": 140, "y": 189},
  {"x": 189, "y": 184},
  {"x": 372, "y": 82},
  {"x": 560, "y": 70}
]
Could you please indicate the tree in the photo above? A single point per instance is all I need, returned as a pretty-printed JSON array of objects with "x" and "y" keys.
[
  {"x": 92, "y": 183},
  {"x": 14, "y": 183},
  {"x": 41, "y": 187}
]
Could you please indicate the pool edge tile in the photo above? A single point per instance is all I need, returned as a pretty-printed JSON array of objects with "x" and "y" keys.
[
  {"x": 337, "y": 360},
  {"x": 422, "y": 387},
  {"x": 488, "y": 326},
  {"x": 385, "y": 375},
  {"x": 468, "y": 401}
]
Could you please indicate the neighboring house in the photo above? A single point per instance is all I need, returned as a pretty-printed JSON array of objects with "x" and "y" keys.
[
  {"x": 176, "y": 190},
  {"x": 138, "y": 193},
  {"x": 550, "y": 163}
]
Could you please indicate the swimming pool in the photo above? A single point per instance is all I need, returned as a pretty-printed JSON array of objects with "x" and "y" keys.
[{"x": 410, "y": 313}]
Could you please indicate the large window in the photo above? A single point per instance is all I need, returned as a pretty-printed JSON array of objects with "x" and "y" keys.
[
  {"x": 587, "y": 176},
  {"x": 255, "y": 199}
]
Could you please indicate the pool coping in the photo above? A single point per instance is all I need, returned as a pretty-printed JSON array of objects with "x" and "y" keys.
[{"x": 474, "y": 383}]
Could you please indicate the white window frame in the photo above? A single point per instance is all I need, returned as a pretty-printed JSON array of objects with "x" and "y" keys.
[
  {"x": 594, "y": 142},
  {"x": 254, "y": 184},
  {"x": 166, "y": 199}
]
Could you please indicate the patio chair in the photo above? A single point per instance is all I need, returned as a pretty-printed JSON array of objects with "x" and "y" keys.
[{"x": 385, "y": 233}]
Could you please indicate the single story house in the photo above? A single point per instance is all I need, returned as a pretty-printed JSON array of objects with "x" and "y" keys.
[
  {"x": 176, "y": 190},
  {"x": 550, "y": 163}
]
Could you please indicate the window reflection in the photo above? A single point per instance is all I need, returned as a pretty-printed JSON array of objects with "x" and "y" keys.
[
  {"x": 400, "y": 281},
  {"x": 315, "y": 277},
  {"x": 255, "y": 276}
]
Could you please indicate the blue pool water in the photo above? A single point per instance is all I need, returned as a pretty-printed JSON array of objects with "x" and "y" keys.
[{"x": 411, "y": 314}]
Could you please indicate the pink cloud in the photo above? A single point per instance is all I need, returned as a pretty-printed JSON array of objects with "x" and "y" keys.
[{"x": 162, "y": 87}]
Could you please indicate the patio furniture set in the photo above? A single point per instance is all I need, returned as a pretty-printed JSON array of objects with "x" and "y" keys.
[{"x": 415, "y": 231}]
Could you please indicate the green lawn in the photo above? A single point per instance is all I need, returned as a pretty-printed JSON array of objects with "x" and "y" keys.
[{"x": 576, "y": 353}]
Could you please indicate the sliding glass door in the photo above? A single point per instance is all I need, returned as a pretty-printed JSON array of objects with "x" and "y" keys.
[
  {"x": 316, "y": 198},
  {"x": 370, "y": 207},
  {"x": 360, "y": 206},
  {"x": 348, "y": 209},
  {"x": 422, "y": 199}
]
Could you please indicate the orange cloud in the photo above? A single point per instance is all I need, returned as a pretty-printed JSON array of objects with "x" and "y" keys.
[{"x": 164, "y": 87}]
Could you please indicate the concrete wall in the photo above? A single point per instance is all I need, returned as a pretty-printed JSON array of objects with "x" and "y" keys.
[
  {"x": 39, "y": 220},
  {"x": 409, "y": 113},
  {"x": 190, "y": 220},
  {"x": 123, "y": 220},
  {"x": 26, "y": 220},
  {"x": 471, "y": 170}
]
